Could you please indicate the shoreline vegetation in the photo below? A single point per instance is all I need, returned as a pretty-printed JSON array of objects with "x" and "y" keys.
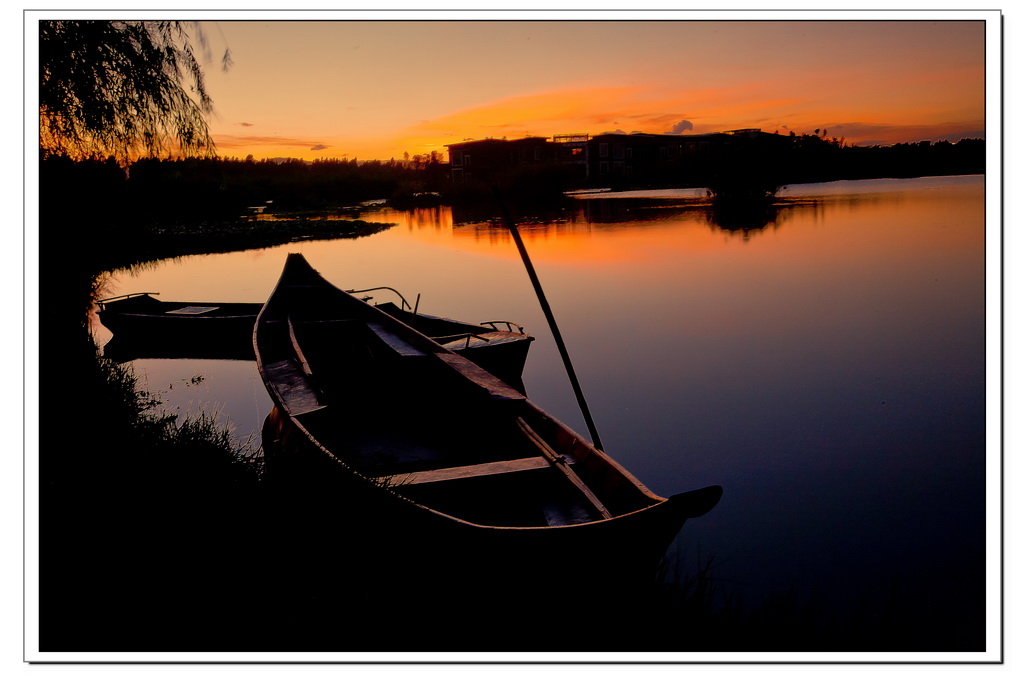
[
  {"x": 203, "y": 189},
  {"x": 158, "y": 534}
]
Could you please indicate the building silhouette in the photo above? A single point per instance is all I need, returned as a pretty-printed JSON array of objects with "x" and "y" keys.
[{"x": 611, "y": 157}]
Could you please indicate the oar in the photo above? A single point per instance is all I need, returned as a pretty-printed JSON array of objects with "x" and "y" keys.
[
  {"x": 512, "y": 228},
  {"x": 558, "y": 462}
]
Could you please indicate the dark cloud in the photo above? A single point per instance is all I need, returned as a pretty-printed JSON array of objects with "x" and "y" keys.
[
  {"x": 246, "y": 125},
  {"x": 317, "y": 148},
  {"x": 680, "y": 128}
]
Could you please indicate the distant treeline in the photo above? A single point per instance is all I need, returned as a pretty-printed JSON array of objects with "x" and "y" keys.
[
  {"x": 772, "y": 161},
  {"x": 818, "y": 159},
  {"x": 217, "y": 189}
]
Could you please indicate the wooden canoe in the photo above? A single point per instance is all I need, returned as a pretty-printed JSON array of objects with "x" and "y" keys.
[
  {"x": 143, "y": 314},
  {"x": 439, "y": 444}
]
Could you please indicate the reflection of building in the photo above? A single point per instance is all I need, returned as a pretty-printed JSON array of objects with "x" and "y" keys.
[{"x": 608, "y": 155}]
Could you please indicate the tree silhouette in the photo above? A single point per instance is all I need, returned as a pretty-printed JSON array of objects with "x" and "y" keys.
[{"x": 122, "y": 88}]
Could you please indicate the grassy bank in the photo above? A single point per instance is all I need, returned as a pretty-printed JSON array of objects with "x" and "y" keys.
[{"x": 149, "y": 521}]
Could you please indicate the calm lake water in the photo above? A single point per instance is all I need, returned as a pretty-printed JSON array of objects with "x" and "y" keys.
[{"x": 828, "y": 370}]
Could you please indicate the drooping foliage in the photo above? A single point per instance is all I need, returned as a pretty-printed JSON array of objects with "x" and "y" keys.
[{"x": 122, "y": 88}]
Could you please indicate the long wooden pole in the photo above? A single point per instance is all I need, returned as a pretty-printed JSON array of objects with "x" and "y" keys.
[{"x": 512, "y": 228}]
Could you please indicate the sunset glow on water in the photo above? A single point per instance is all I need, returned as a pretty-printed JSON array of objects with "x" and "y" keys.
[{"x": 833, "y": 357}]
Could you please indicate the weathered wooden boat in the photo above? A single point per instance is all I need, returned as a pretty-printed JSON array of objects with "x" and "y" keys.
[
  {"x": 147, "y": 327},
  {"x": 439, "y": 448},
  {"x": 142, "y": 314}
]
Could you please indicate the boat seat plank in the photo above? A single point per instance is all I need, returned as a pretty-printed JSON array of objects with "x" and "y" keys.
[
  {"x": 294, "y": 387},
  {"x": 396, "y": 343},
  {"x": 470, "y": 471}
]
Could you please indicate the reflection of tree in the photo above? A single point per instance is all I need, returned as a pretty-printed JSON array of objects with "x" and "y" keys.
[
  {"x": 742, "y": 215},
  {"x": 616, "y": 210},
  {"x": 121, "y": 89},
  {"x": 488, "y": 212},
  {"x": 583, "y": 214}
]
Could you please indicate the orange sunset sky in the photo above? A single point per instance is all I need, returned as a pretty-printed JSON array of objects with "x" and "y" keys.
[{"x": 376, "y": 89}]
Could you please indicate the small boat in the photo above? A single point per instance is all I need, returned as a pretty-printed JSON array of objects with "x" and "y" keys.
[
  {"x": 147, "y": 327},
  {"x": 440, "y": 447},
  {"x": 142, "y": 314}
]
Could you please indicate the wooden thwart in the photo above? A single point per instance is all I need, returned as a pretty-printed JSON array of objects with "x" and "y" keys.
[{"x": 469, "y": 471}]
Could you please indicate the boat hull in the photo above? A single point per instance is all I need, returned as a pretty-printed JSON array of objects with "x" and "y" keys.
[
  {"x": 421, "y": 446},
  {"x": 626, "y": 551},
  {"x": 144, "y": 316}
]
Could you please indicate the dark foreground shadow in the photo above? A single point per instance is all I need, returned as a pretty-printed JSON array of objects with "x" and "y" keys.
[
  {"x": 286, "y": 574},
  {"x": 197, "y": 566}
]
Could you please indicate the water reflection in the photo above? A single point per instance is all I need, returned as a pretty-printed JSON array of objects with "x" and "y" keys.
[
  {"x": 825, "y": 363},
  {"x": 746, "y": 218},
  {"x": 636, "y": 210},
  {"x": 125, "y": 347},
  {"x": 583, "y": 214}
]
